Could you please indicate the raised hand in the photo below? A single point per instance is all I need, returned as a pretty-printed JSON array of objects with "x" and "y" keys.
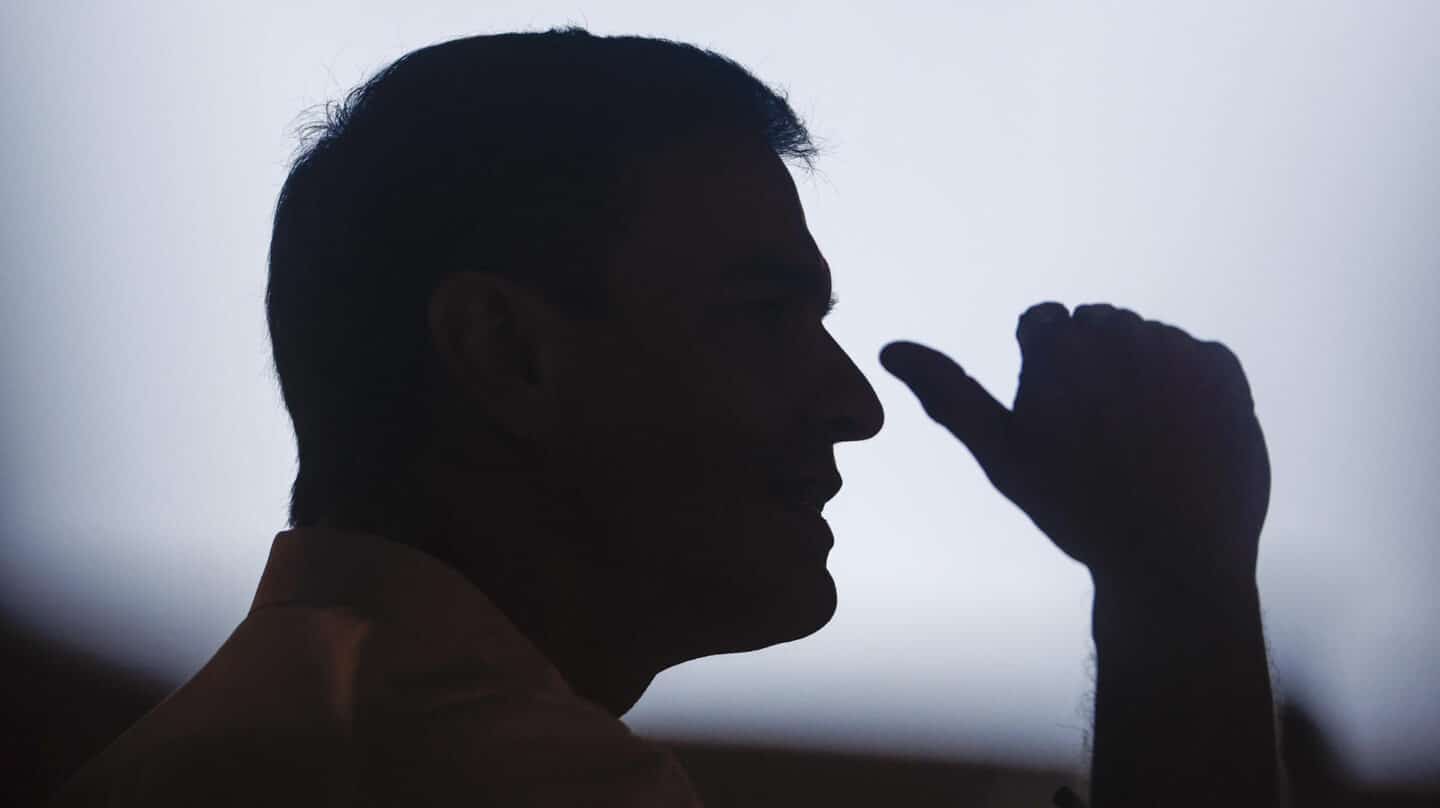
[
  {"x": 1135, "y": 448},
  {"x": 1132, "y": 445}
]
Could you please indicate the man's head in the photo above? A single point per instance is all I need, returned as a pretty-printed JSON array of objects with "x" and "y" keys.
[{"x": 573, "y": 272}]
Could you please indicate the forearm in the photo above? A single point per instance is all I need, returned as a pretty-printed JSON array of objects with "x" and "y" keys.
[{"x": 1183, "y": 710}]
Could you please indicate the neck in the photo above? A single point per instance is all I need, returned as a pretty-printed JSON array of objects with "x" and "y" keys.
[{"x": 525, "y": 547}]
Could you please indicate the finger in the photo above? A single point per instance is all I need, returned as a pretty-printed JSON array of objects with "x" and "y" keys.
[
  {"x": 1107, "y": 318},
  {"x": 1169, "y": 347},
  {"x": 1110, "y": 334},
  {"x": 1042, "y": 333},
  {"x": 957, "y": 402},
  {"x": 1040, "y": 336},
  {"x": 1229, "y": 373},
  {"x": 1039, "y": 327}
]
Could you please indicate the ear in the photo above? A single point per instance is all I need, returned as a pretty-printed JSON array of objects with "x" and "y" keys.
[{"x": 490, "y": 335}]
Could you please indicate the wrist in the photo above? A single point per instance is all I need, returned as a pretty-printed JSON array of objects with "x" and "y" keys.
[
  {"x": 1192, "y": 584},
  {"x": 1188, "y": 609}
]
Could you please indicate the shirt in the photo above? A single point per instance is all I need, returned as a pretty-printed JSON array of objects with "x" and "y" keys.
[{"x": 368, "y": 673}]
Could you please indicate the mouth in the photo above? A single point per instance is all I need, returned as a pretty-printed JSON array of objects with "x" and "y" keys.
[
  {"x": 802, "y": 506},
  {"x": 808, "y": 494}
]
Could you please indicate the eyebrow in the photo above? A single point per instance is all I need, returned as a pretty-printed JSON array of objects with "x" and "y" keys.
[{"x": 809, "y": 280}]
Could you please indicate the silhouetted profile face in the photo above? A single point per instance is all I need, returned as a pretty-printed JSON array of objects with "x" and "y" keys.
[
  {"x": 714, "y": 396},
  {"x": 693, "y": 422}
]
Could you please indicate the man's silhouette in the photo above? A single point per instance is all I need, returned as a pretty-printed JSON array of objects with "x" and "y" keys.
[{"x": 548, "y": 321}]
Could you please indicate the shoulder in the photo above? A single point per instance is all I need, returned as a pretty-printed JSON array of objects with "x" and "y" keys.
[
  {"x": 234, "y": 768},
  {"x": 440, "y": 746},
  {"x": 494, "y": 750},
  {"x": 519, "y": 749}
]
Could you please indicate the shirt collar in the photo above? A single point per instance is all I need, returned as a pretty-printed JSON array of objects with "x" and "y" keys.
[{"x": 430, "y": 616}]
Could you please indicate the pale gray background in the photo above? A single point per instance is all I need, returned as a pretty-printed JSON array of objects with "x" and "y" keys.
[{"x": 1264, "y": 174}]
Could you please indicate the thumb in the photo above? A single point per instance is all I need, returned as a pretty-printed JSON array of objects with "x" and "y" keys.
[{"x": 956, "y": 402}]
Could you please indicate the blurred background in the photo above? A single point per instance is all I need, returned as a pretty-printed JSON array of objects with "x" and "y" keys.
[{"x": 1263, "y": 174}]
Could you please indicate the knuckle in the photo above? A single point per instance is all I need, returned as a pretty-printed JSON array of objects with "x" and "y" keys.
[
  {"x": 1161, "y": 337},
  {"x": 1040, "y": 323},
  {"x": 1227, "y": 371},
  {"x": 1044, "y": 313},
  {"x": 1114, "y": 325},
  {"x": 1094, "y": 312},
  {"x": 1222, "y": 355},
  {"x": 1175, "y": 333},
  {"x": 1175, "y": 343},
  {"x": 1220, "y": 363}
]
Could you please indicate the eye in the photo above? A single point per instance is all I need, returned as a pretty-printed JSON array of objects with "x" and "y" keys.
[
  {"x": 785, "y": 302},
  {"x": 766, "y": 309},
  {"x": 775, "y": 310},
  {"x": 776, "y": 307}
]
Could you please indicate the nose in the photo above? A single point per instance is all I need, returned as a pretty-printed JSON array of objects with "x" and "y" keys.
[{"x": 853, "y": 410}]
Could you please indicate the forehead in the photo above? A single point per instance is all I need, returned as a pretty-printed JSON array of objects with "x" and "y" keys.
[{"x": 701, "y": 213}]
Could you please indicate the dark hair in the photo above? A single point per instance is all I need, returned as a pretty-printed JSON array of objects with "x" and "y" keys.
[{"x": 498, "y": 153}]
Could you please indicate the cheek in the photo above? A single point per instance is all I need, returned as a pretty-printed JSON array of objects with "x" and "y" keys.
[
  {"x": 694, "y": 426},
  {"x": 677, "y": 486},
  {"x": 644, "y": 440},
  {"x": 698, "y": 416}
]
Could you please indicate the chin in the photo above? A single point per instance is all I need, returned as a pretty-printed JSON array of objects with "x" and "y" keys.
[
  {"x": 812, "y": 605},
  {"x": 760, "y": 580},
  {"x": 795, "y": 610}
]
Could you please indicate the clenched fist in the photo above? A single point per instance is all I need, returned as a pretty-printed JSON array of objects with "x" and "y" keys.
[{"x": 1132, "y": 445}]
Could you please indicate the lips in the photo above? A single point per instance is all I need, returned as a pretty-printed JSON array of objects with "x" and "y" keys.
[{"x": 809, "y": 492}]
